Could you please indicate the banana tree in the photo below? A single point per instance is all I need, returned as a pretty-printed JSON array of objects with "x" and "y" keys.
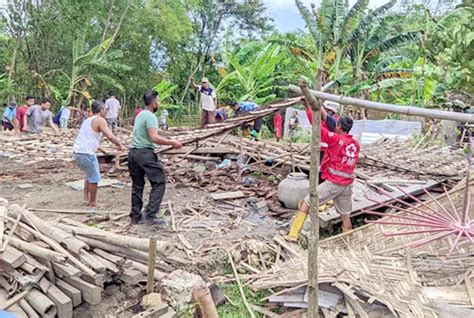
[
  {"x": 96, "y": 59},
  {"x": 255, "y": 77},
  {"x": 372, "y": 40}
]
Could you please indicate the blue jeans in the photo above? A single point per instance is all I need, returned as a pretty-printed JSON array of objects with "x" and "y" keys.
[{"x": 89, "y": 165}]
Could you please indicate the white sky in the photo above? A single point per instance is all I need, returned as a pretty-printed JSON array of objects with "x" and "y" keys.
[{"x": 286, "y": 15}]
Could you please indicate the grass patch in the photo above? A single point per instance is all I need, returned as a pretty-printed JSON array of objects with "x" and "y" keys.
[{"x": 238, "y": 309}]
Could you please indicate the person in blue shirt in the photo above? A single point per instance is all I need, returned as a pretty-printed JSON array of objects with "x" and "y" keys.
[
  {"x": 8, "y": 117},
  {"x": 241, "y": 108}
]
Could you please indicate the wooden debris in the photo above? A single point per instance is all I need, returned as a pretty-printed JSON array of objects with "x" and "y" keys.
[
  {"x": 227, "y": 195},
  {"x": 91, "y": 294}
]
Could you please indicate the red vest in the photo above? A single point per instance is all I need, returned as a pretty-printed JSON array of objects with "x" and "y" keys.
[{"x": 340, "y": 159}]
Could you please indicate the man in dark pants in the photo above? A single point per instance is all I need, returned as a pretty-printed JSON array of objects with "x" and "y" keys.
[{"x": 142, "y": 160}]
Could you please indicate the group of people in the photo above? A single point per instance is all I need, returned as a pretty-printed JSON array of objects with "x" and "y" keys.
[
  {"x": 142, "y": 159},
  {"x": 339, "y": 150},
  {"x": 31, "y": 117}
]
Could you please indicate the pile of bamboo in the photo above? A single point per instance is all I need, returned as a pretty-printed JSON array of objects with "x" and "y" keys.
[
  {"x": 47, "y": 269},
  {"x": 50, "y": 146}
]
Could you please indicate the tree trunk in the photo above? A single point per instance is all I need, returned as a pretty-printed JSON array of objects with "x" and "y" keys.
[
  {"x": 313, "y": 239},
  {"x": 11, "y": 98}
]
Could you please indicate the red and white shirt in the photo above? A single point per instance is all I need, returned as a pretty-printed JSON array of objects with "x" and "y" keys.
[{"x": 341, "y": 157}]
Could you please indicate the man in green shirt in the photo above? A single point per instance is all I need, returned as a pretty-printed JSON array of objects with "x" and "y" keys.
[{"x": 142, "y": 160}]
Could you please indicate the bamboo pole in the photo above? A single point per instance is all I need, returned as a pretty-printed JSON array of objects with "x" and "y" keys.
[
  {"x": 405, "y": 110},
  {"x": 313, "y": 238},
  {"x": 162, "y": 247}
]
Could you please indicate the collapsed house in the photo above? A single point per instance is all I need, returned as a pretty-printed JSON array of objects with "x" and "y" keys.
[{"x": 361, "y": 272}]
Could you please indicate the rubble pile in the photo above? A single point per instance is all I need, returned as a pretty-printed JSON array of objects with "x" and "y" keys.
[{"x": 48, "y": 269}]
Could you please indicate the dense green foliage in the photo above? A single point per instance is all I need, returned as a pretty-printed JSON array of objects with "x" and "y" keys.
[{"x": 72, "y": 51}]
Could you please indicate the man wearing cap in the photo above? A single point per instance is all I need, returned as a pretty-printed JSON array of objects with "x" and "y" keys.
[{"x": 208, "y": 102}]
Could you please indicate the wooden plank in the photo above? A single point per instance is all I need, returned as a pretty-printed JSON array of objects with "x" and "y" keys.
[
  {"x": 227, "y": 195},
  {"x": 91, "y": 294},
  {"x": 72, "y": 292},
  {"x": 66, "y": 270},
  {"x": 62, "y": 301},
  {"x": 12, "y": 257}
]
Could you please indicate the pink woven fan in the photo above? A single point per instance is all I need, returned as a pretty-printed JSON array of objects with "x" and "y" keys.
[{"x": 440, "y": 222}]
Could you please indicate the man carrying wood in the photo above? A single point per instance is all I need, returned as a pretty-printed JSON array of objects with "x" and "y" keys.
[
  {"x": 337, "y": 169},
  {"x": 142, "y": 160},
  {"x": 86, "y": 144}
]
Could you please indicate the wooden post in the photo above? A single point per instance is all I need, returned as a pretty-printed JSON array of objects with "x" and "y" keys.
[
  {"x": 313, "y": 238},
  {"x": 151, "y": 265}
]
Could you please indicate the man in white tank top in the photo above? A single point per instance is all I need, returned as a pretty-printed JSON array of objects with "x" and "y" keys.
[{"x": 86, "y": 144}]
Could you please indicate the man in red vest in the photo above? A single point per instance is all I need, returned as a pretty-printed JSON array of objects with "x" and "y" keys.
[{"x": 337, "y": 169}]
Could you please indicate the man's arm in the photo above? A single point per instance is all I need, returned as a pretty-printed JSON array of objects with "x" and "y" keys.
[
  {"x": 324, "y": 113},
  {"x": 53, "y": 125},
  {"x": 104, "y": 128},
  {"x": 157, "y": 139},
  {"x": 17, "y": 124},
  {"x": 193, "y": 83},
  {"x": 25, "y": 121}
]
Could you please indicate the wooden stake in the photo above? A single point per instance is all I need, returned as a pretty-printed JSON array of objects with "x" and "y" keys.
[
  {"x": 151, "y": 265},
  {"x": 313, "y": 238},
  {"x": 242, "y": 294}
]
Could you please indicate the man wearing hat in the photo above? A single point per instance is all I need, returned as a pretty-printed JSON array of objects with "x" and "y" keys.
[{"x": 208, "y": 102}]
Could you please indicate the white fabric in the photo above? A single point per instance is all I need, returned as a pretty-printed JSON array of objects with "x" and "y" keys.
[
  {"x": 87, "y": 141},
  {"x": 65, "y": 113},
  {"x": 207, "y": 101},
  {"x": 113, "y": 108}
]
